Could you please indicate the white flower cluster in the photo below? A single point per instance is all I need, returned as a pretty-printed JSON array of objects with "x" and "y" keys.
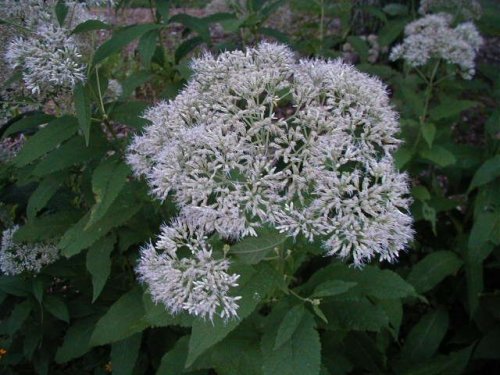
[
  {"x": 16, "y": 258},
  {"x": 466, "y": 9},
  {"x": 192, "y": 281},
  {"x": 305, "y": 146},
  {"x": 432, "y": 37},
  {"x": 49, "y": 57}
]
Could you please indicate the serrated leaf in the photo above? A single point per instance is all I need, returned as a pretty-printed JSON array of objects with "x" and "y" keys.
[
  {"x": 124, "y": 354},
  {"x": 76, "y": 341},
  {"x": 425, "y": 337},
  {"x": 428, "y": 130},
  {"x": 147, "y": 46},
  {"x": 172, "y": 362},
  {"x": 439, "y": 155},
  {"x": 257, "y": 286},
  {"x": 80, "y": 236},
  {"x": 123, "y": 319},
  {"x": 186, "y": 47},
  {"x": 99, "y": 263},
  {"x": 61, "y": 10},
  {"x": 300, "y": 355},
  {"x": 453, "y": 363},
  {"x": 56, "y": 307},
  {"x": 289, "y": 325},
  {"x": 450, "y": 107},
  {"x": 432, "y": 269},
  {"x": 108, "y": 181},
  {"x": 355, "y": 315},
  {"x": 46, "y": 227},
  {"x": 332, "y": 288},
  {"x": 489, "y": 171},
  {"x": 129, "y": 113},
  {"x": 46, "y": 139},
  {"x": 43, "y": 193},
  {"x": 68, "y": 154},
  {"x": 120, "y": 39},
  {"x": 252, "y": 250},
  {"x": 83, "y": 110},
  {"x": 91, "y": 25},
  {"x": 26, "y": 123}
]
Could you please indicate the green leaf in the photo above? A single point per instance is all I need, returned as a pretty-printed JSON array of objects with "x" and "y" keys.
[
  {"x": 254, "y": 287},
  {"x": 187, "y": 46},
  {"x": 81, "y": 236},
  {"x": 332, "y": 288},
  {"x": 489, "y": 171},
  {"x": 133, "y": 81},
  {"x": 83, "y": 110},
  {"x": 162, "y": 7},
  {"x": 108, "y": 180},
  {"x": 360, "y": 46},
  {"x": 123, "y": 319},
  {"x": 300, "y": 355},
  {"x": 157, "y": 315},
  {"x": 124, "y": 354},
  {"x": 439, "y": 155},
  {"x": 121, "y": 38},
  {"x": 252, "y": 250},
  {"x": 198, "y": 25},
  {"x": 56, "y": 307},
  {"x": 17, "y": 317},
  {"x": 355, "y": 315},
  {"x": 46, "y": 190},
  {"x": 450, "y": 107},
  {"x": 421, "y": 193},
  {"x": 390, "y": 32},
  {"x": 428, "y": 132},
  {"x": 61, "y": 10},
  {"x": 129, "y": 113},
  {"x": 289, "y": 325},
  {"x": 76, "y": 341},
  {"x": 425, "y": 337},
  {"x": 394, "y": 9},
  {"x": 431, "y": 270},
  {"x": 46, "y": 139},
  {"x": 46, "y": 227},
  {"x": 28, "y": 122},
  {"x": 147, "y": 46},
  {"x": 90, "y": 25},
  {"x": 69, "y": 154},
  {"x": 362, "y": 350},
  {"x": 172, "y": 363},
  {"x": 453, "y": 363},
  {"x": 99, "y": 263}
]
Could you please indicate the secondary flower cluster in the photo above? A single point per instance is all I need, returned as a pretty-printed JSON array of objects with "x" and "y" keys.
[
  {"x": 258, "y": 137},
  {"x": 49, "y": 57},
  {"x": 194, "y": 282},
  {"x": 432, "y": 37},
  {"x": 16, "y": 258}
]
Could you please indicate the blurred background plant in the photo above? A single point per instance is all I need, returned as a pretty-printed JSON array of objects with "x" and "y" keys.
[{"x": 64, "y": 182}]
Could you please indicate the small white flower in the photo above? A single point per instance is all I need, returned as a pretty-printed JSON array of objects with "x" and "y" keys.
[
  {"x": 182, "y": 274},
  {"x": 258, "y": 137},
  {"x": 432, "y": 37},
  {"x": 16, "y": 258}
]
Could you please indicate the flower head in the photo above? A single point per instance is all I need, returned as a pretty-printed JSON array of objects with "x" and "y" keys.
[
  {"x": 433, "y": 37},
  {"x": 16, "y": 258},
  {"x": 258, "y": 137},
  {"x": 181, "y": 273}
]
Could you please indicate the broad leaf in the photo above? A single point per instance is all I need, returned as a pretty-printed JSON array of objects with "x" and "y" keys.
[
  {"x": 99, "y": 263},
  {"x": 124, "y": 354}
]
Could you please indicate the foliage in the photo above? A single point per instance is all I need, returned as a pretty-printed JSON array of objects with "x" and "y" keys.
[{"x": 435, "y": 311}]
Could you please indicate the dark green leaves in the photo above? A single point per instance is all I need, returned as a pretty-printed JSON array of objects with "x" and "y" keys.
[
  {"x": 46, "y": 139},
  {"x": 431, "y": 270},
  {"x": 83, "y": 110},
  {"x": 298, "y": 352},
  {"x": 120, "y": 39},
  {"x": 123, "y": 319},
  {"x": 99, "y": 263},
  {"x": 489, "y": 171}
]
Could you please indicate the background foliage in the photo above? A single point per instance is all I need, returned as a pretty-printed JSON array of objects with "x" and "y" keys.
[{"x": 434, "y": 312}]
